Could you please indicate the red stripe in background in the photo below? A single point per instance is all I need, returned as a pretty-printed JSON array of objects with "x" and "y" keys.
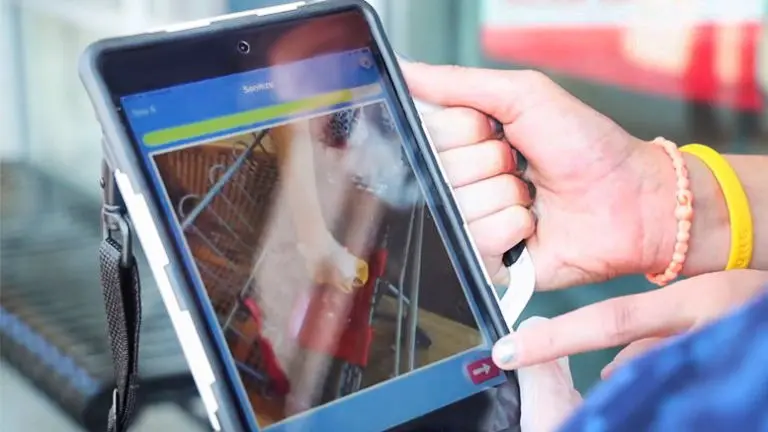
[{"x": 596, "y": 54}]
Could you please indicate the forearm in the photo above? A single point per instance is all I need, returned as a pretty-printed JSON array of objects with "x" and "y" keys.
[
  {"x": 710, "y": 240},
  {"x": 753, "y": 173}
]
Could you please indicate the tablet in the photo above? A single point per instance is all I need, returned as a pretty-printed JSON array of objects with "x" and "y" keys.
[{"x": 303, "y": 235}]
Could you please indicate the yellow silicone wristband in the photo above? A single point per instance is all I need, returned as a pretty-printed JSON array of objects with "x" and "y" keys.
[{"x": 736, "y": 201}]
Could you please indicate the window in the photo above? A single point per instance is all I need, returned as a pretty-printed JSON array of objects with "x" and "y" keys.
[
  {"x": 56, "y": 126},
  {"x": 11, "y": 148}
]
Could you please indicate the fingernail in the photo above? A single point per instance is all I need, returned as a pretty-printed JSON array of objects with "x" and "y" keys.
[
  {"x": 607, "y": 371},
  {"x": 531, "y": 189},
  {"x": 521, "y": 162},
  {"x": 505, "y": 352},
  {"x": 496, "y": 127}
]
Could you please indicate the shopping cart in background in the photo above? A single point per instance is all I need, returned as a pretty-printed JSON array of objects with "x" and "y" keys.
[{"x": 222, "y": 212}]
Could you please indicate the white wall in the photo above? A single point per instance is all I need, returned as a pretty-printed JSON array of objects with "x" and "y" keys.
[
  {"x": 11, "y": 145},
  {"x": 63, "y": 134},
  {"x": 762, "y": 60}
]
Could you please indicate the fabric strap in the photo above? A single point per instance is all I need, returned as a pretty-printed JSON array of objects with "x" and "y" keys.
[{"x": 122, "y": 298}]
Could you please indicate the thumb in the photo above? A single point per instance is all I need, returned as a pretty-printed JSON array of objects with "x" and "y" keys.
[
  {"x": 547, "y": 395},
  {"x": 500, "y": 94}
]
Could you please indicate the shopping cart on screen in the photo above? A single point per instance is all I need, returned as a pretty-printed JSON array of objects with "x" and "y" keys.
[{"x": 223, "y": 215}]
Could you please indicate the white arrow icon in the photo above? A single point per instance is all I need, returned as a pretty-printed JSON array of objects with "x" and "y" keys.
[
  {"x": 482, "y": 370},
  {"x": 366, "y": 62}
]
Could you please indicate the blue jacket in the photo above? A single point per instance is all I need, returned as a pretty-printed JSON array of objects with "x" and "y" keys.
[{"x": 715, "y": 379}]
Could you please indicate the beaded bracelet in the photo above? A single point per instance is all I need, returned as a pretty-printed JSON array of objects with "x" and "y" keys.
[{"x": 683, "y": 214}]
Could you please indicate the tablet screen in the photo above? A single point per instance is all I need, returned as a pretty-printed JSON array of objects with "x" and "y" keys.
[{"x": 296, "y": 206}]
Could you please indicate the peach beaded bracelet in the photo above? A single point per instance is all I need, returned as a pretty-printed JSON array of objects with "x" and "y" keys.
[{"x": 683, "y": 214}]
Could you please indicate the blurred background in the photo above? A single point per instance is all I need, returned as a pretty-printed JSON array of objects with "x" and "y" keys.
[{"x": 689, "y": 70}]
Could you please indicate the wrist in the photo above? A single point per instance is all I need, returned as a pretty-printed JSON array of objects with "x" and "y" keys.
[{"x": 709, "y": 242}]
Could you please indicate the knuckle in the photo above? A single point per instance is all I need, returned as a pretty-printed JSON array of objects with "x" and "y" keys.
[
  {"x": 535, "y": 78},
  {"x": 622, "y": 325},
  {"x": 475, "y": 122},
  {"x": 520, "y": 227},
  {"x": 457, "y": 127},
  {"x": 501, "y": 156},
  {"x": 514, "y": 188},
  {"x": 433, "y": 118},
  {"x": 478, "y": 121},
  {"x": 499, "y": 244},
  {"x": 547, "y": 344},
  {"x": 525, "y": 222},
  {"x": 456, "y": 70}
]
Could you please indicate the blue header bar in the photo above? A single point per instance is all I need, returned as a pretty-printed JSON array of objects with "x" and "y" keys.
[{"x": 204, "y": 100}]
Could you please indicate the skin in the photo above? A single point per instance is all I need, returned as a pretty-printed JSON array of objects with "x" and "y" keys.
[
  {"x": 641, "y": 320},
  {"x": 547, "y": 394},
  {"x": 694, "y": 303},
  {"x": 604, "y": 204}
]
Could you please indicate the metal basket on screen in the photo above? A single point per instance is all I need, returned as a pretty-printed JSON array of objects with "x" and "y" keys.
[{"x": 224, "y": 194}]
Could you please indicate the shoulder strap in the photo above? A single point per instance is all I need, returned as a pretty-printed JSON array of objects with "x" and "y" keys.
[{"x": 122, "y": 298}]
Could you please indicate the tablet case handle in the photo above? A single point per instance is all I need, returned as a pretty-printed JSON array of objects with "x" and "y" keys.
[{"x": 122, "y": 299}]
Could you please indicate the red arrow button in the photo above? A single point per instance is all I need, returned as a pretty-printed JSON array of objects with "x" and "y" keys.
[{"x": 482, "y": 370}]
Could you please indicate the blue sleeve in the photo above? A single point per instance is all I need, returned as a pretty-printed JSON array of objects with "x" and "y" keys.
[{"x": 715, "y": 379}]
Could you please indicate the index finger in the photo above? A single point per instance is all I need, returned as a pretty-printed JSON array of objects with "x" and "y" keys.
[
  {"x": 450, "y": 128},
  {"x": 601, "y": 325}
]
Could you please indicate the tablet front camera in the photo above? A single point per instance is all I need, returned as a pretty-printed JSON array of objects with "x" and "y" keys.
[{"x": 243, "y": 47}]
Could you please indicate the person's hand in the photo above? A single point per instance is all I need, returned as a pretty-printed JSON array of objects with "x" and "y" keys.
[
  {"x": 604, "y": 200},
  {"x": 641, "y": 320},
  {"x": 547, "y": 394}
]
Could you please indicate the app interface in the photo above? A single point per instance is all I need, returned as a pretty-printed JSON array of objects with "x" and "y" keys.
[{"x": 291, "y": 195}]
